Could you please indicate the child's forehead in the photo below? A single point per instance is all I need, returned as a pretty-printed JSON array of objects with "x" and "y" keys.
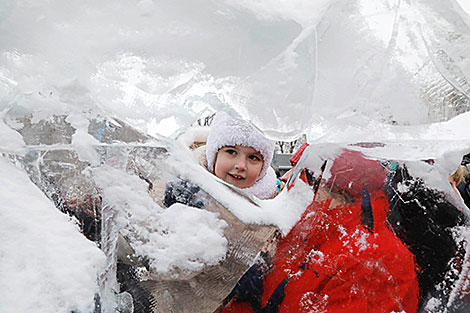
[{"x": 245, "y": 149}]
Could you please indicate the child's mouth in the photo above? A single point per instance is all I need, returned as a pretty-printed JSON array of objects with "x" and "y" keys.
[{"x": 236, "y": 177}]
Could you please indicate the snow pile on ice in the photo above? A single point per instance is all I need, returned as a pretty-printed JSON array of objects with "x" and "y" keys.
[
  {"x": 12, "y": 142},
  {"x": 180, "y": 236},
  {"x": 285, "y": 210},
  {"x": 187, "y": 238},
  {"x": 47, "y": 265}
]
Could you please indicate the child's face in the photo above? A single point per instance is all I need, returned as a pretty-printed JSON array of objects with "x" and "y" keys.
[{"x": 238, "y": 165}]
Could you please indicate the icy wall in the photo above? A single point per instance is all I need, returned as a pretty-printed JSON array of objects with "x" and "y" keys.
[{"x": 342, "y": 72}]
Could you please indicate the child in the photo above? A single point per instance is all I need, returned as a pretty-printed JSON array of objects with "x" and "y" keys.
[
  {"x": 235, "y": 152},
  {"x": 238, "y": 154}
]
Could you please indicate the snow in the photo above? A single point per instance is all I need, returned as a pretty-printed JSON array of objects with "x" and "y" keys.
[
  {"x": 189, "y": 238},
  {"x": 178, "y": 237},
  {"x": 47, "y": 265},
  {"x": 81, "y": 140},
  {"x": 285, "y": 210},
  {"x": 12, "y": 142}
]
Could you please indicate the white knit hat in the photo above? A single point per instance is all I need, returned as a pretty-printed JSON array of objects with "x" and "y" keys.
[{"x": 228, "y": 131}]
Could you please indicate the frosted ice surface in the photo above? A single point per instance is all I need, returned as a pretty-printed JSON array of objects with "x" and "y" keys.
[{"x": 263, "y": 60}]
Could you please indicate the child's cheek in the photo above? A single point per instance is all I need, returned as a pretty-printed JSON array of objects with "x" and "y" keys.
[
  {"x": 219, "y": 169},
  {"x": 216, "y": 170}
]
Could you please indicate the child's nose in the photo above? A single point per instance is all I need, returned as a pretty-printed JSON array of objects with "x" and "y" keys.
[{"x": 241, "y": 164}]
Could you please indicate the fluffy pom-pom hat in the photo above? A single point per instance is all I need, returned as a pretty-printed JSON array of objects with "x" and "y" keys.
[{"x": 228, "y": 131}]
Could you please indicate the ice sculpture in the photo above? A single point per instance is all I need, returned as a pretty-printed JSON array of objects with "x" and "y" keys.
[
  {"x": 117, "y": 200},
  {"x": 321, "y": 69},
  {"x": 419, "y": 48},
  {"x": 327, "y": 61},
  {"x": 110, "y": 197}
]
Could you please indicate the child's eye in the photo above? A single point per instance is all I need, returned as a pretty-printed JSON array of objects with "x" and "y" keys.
[
  {"x": 254, "y": 158},
  {"x": 231, "y": 151}
]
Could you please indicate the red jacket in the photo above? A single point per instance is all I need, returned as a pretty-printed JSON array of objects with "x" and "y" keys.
[{"x": 338, "y": 259}]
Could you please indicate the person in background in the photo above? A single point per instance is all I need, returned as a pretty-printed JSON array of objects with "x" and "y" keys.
[
  {"x": 460, "y": 180},
  {"x": 363, "y": 245}
]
